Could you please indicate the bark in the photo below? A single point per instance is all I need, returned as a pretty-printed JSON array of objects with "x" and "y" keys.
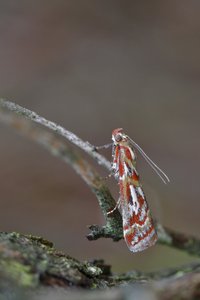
[{"x": 31, "y": 268}]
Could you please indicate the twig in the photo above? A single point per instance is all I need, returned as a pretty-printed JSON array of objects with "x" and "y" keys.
[
  {"x": 181, "y": 241},
  {"x": 74, "y": 139},
  {"x": 60, "y": 149}
]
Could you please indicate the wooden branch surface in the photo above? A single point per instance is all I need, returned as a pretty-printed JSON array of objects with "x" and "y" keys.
[{"x": 31, "y": 268}]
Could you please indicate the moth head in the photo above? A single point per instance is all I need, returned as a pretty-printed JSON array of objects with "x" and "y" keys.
[{"x": 118, "y": 136}]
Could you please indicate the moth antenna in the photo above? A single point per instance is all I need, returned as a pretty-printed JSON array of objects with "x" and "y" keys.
[{"x": 158, "y": 171}]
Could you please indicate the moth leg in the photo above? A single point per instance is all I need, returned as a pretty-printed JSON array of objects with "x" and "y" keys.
[
  {"x": 114, "y": 173},
  {"x": 107, "y": 177},
  {"x": 116, "y": 206},
  {"x": 106, "y": 146}
]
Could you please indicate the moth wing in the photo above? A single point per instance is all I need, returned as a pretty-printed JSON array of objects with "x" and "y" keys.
[{"x": 138, "y": 225}]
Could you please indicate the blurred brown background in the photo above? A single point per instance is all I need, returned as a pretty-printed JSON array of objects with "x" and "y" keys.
[{"x": 93, "y": 66}]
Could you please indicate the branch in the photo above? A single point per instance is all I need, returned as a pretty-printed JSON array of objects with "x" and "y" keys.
[
  {"x": 30, "y": 265},
  {"x": 181, "y": 241},
  {"x": 27, "y": 262},
  {"x": 74, "y": 139},
  {"x": 12, "y": 114},
  {"x": 57, "y": 147}
]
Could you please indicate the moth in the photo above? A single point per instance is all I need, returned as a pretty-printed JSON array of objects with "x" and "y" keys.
[{"x": 138, "y": 225}]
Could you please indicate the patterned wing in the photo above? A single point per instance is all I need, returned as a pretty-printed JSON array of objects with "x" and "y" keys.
[{"x": 138, "y": 227}]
